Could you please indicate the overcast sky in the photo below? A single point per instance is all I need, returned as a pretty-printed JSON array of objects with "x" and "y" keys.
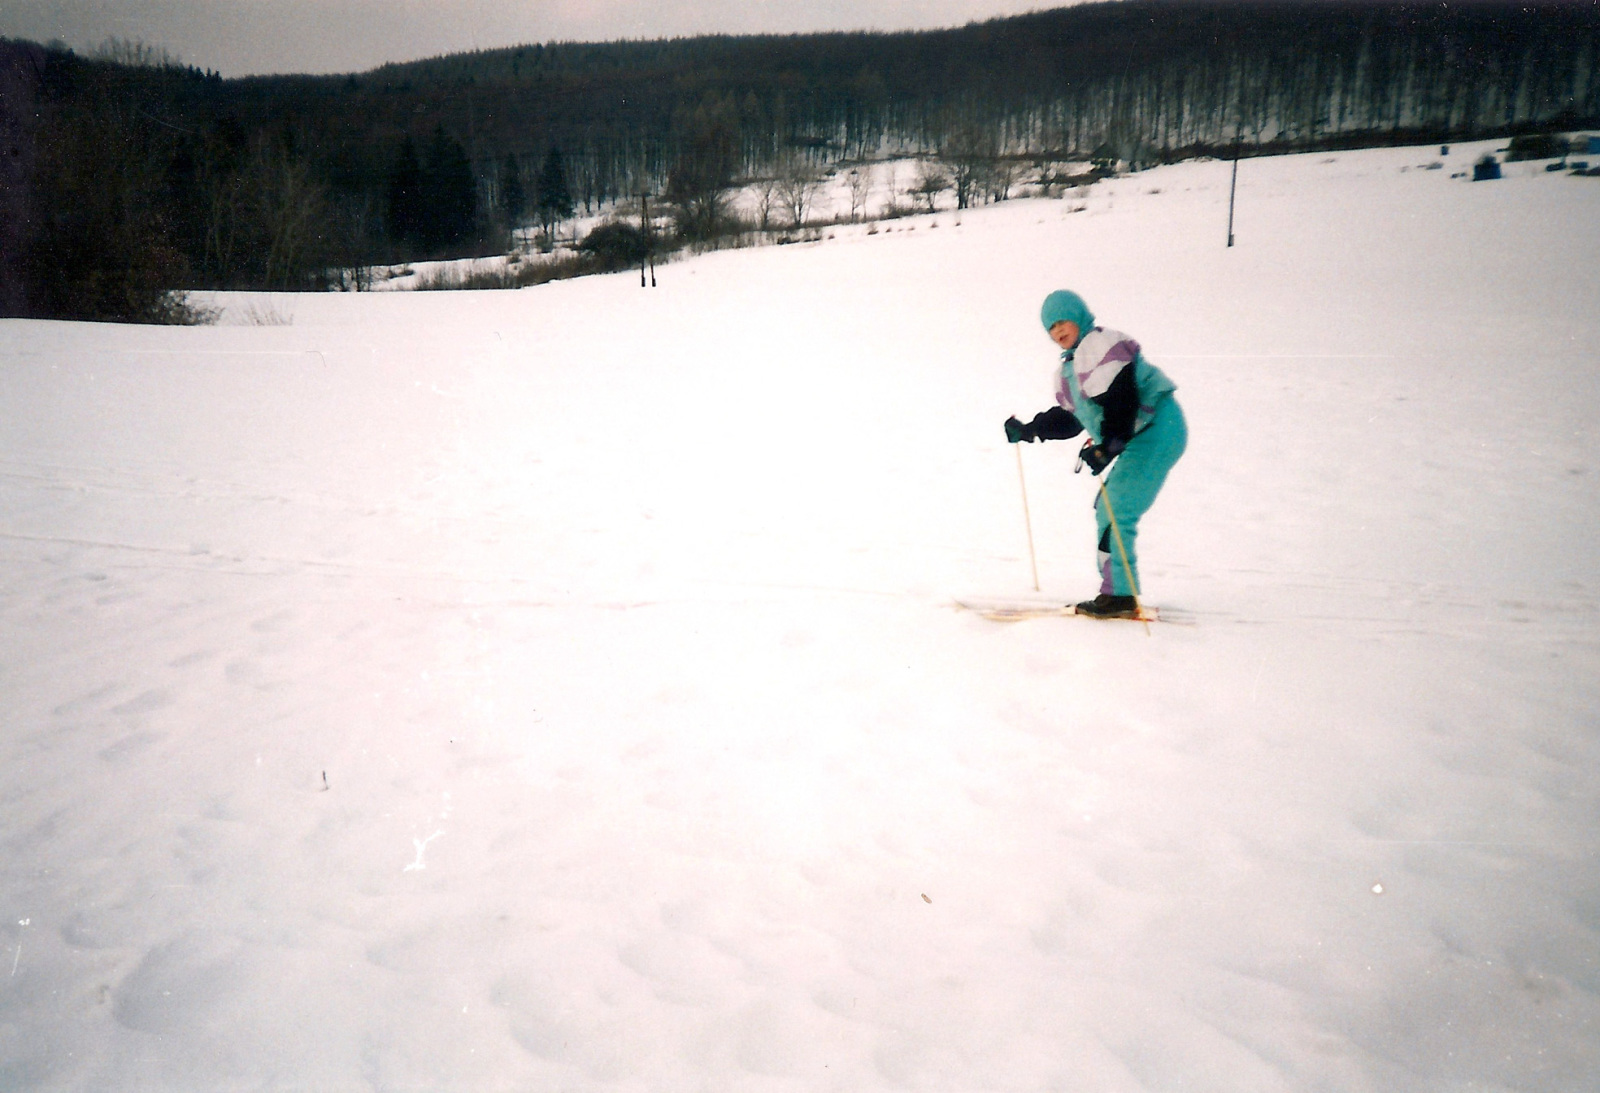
[{"x": 243, "y": 37}]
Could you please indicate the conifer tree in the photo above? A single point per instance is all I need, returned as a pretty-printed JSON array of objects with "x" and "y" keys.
[
  {"x": 450, "y": 195},
  {"x": 513, "y": 199},
  {"x": 405, "y": 195},
  {"x": 555, "y": 198}
]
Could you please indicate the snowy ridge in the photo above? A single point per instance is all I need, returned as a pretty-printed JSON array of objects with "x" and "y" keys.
[{"x": 557, "y": 689}]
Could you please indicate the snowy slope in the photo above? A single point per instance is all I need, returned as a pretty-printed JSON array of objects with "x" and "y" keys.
[{"x": 559, "y": 689}]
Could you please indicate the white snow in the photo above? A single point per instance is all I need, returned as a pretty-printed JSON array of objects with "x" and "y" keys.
[{"x": 560, "y": 689}]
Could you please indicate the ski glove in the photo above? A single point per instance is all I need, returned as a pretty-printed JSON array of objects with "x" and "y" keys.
[
  {"x": 1099, "y": 456},
  {"x": 1055, "y": 423}
]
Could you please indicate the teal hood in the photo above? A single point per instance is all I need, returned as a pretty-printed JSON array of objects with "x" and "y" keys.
[{"x": 1063, "y": 306}]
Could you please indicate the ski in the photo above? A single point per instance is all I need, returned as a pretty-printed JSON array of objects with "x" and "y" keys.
[{"x": 1018, "y": 610}]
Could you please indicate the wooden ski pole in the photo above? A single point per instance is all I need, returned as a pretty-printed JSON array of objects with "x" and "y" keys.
[
  {"x": 1105, "y": 499},
  {"x": 1027, "y": 519}
]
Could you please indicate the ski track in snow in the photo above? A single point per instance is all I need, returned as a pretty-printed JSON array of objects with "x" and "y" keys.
[{"x": 645, "y": 597}]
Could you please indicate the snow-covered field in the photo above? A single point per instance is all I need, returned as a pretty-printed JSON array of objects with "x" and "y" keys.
[{"x": 560, "y": 689}]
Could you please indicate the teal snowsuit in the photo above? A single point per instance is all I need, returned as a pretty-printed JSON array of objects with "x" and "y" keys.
[{"x": 1107, "y": 389}]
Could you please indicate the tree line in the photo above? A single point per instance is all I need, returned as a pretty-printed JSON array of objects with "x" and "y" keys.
[{"x": 138, "y": 174}]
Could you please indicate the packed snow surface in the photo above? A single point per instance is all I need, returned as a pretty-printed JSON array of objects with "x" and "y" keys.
[{"x": 561, "y": 689}]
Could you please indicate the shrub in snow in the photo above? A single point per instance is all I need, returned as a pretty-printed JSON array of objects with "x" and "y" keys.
[{"x": 615, "y": 246}]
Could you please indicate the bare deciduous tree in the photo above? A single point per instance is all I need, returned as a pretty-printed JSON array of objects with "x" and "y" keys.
[
  {"x": 766, "y": 196},
  {"x": 291, "y": 206},
  {"x": 970, "y": 153},
  {"x": 931, "y": 182},
  {"x": 860, "y": 182},
  {"x": 1002, "y": 176},
  {"x": 798, "y": 183},
  {"x": 135, "y": 53}
]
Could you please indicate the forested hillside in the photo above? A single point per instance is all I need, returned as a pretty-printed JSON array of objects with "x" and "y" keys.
[{"x": 189, "y": 179}]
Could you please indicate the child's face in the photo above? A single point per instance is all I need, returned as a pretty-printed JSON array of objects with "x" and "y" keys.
[{"x": 1065, "y": 334}]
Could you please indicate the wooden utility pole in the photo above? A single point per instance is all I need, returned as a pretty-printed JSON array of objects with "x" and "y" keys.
[
  {"x": 1233, "y": 186},
  {"x": 648, "y": 257}
]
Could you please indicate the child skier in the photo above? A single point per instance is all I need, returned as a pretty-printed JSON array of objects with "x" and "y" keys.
[{"x": 1108, "y": 390}]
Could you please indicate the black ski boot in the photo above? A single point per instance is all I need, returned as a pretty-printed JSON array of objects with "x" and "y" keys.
[{"x": 1107, "y": 606}]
